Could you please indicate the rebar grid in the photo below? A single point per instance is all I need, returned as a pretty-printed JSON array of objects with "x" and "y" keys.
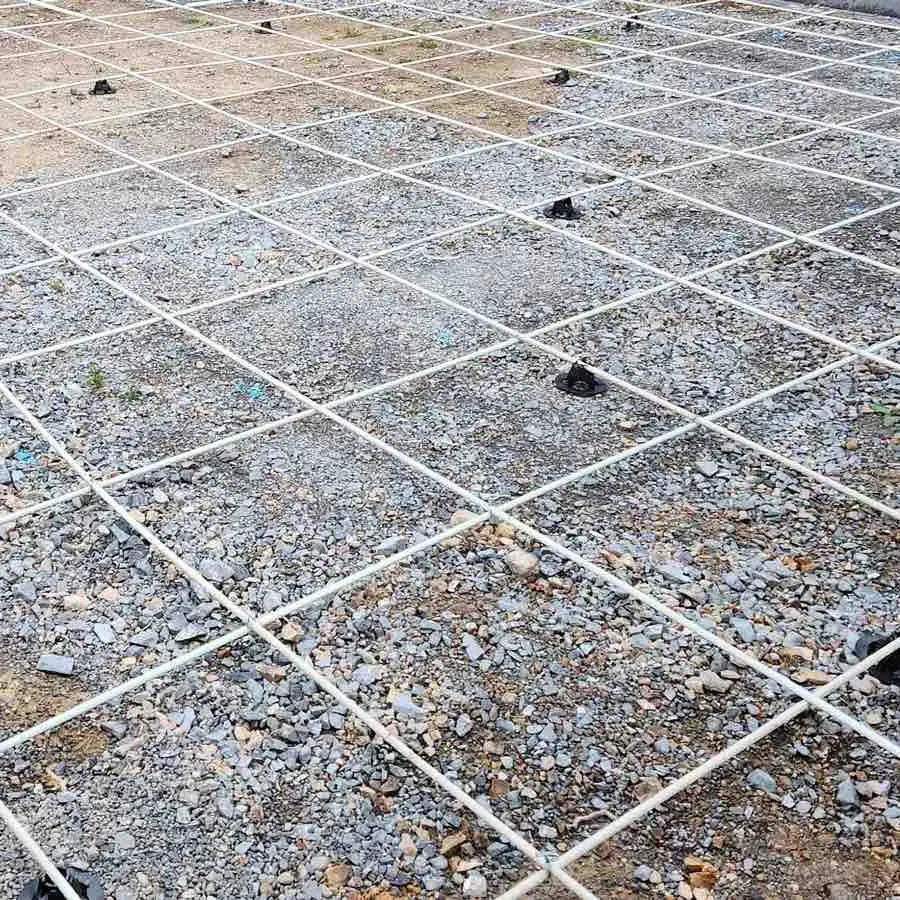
[
  {"x": 555, "y": 869},
  {"x": 617, "y": 120},
  {"x": 642, "y": 181},
  {"x": 361, "y": 262},
  {"x": 335, "y": 81},
  {"x": 631, "y": 52}
]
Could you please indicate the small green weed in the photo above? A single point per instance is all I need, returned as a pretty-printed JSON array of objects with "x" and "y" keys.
[
  {"x": 95, "y": 378},
  {"x": 890, "y": 415},
  {"x": 55, "y": 284}
]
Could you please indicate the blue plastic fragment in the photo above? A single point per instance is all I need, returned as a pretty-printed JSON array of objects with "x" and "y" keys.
[
  {"x": 253, "y": 391},
  {"x": 445, "y": 339},
  {"x": 25, "y": 456}
]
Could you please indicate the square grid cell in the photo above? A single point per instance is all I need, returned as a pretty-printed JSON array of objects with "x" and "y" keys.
[{"x": 493, "y": 616}]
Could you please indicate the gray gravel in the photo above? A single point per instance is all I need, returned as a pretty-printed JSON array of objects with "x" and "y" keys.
[
  {"x": 701, "y": 353},
  {"x": 806, "y": 567},
  {"x": 56, "y": 302},
  {"x": 842, "y": 297},
  {"x": 843, "y": 424},
  {"x": 376, "y": 214},
  {"x": 811, "y": 812},
  {"x": 285, "y": 514},
  {"x": 239, "y": 777},
  {"x": 199, "y": 263},
  {"x": 551, "y": 699},
  {"x": 522, "y": 275},
  {"x": 651, "y": 225},
  {"x": 107, "y": 208},
  {"x": 792, "y": 199},
  {"x": 80, "y": 585},
  {"x": 499, "y": 426},
  {"x": 155, "y": 391},
  {"x": 555, "y": 702},
  {"x": 30, "y": 471},
  {"x": 347, "y": 332},
  {"x": 392, "y": 138}
]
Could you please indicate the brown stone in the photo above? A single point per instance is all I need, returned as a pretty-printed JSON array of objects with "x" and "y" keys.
[
  {"x": 452, "y": 843},
  {"x": 338, "y": 875}
]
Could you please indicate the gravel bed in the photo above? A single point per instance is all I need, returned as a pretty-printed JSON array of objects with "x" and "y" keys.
[
  {"x": 625, "y": 151},
  {"x": 511, "y": 177},
  {"x": 874, "y": 702},
  {"x": 814, "y": 101},
  {"x": 671, "y": 75},
  {"x": 715, "y": 123},
  {"x": 810, "y": 812},
  {"x": 17, "y": 248},
  {"x": 746, "y": 16},
  {"x": 485, "y": 269},
  {"x": 83, "y": 586},
  {"x": 851, "y": 300},
  {"x": 201, "y": 263},
  {"x": 650, "y": 225},
  {"x": 877, "y": 236},
  {"x": 843, "y": 425},
  {"x": 555, "y": 702},
  {"x": 612, "y": 31},
  {"x": 592, "y": 95},
  {"x": 700, "y": 353},
  {"x": 783, "y": 568},
  {"x": 499, "y": 426},
  {"x": 288, "y": 107},
  {"x": 273, "y": 518},
  {"x": 238, "y": 776},
  {"x": 125, "y": 401},
  {"x": 345, "y": 333},
  {"x": 863, "y": 157},
  {"x": 56, "y": 302},
  {"x": 392, "y": 138},
  {"x": 854, "y": 78},
  {"x": 819, "y": 45},
  {"x": 762, "y": 60},
  {"x": 375, "y": 215},
  {"x": 793, "y": 199},
  {"x": 263, "y": 169},
  {"x": 107, "y": 208},
  {"x": 156, "y": 134},
  {"x": 30, "y": 472}
]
